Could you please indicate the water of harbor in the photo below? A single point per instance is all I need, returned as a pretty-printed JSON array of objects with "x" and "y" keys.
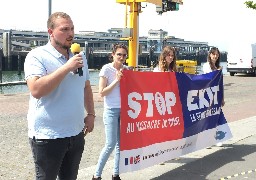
[{"x": 10, "y": 76}]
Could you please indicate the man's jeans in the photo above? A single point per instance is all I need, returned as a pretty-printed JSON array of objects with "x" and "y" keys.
[{"x": 57, "y": 157}]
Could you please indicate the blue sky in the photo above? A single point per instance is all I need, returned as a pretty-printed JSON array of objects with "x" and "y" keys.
[{"x": 218, "y": 22}]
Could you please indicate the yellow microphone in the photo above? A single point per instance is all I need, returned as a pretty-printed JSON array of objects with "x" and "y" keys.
[{"x": 76, "y": 49}]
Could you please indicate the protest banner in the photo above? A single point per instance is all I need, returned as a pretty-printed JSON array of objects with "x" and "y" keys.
[{"x": 167, "y": 115}]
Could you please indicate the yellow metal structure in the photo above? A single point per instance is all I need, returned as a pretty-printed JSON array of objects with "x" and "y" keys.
[
  {"x": 187, "y": 66},
  {"x": 134, "y": 10}
]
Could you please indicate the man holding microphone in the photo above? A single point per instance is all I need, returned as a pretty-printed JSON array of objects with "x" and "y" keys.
[
  {"x": 75, "y": 49},
  {"x": 57, "y": 122}
]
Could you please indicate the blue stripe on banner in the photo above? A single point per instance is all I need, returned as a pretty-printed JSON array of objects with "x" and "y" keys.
[
  {"x": 126, "y": 161},
  {"x": 201, "y": 97}
]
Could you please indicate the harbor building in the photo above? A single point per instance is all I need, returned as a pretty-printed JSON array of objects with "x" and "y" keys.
[{"x": 15, "y": 44}]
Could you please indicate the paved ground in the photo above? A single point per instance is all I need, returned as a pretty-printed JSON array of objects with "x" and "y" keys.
[
  {"x": 235, "y": 160},
  {"x": 16, "y": 159}
]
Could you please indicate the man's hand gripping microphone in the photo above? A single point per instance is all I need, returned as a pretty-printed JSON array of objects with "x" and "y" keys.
[{"x": 75, "y": 49}]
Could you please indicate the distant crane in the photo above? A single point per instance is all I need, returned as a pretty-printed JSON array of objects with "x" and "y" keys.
[{"x": 131, "y": 32}]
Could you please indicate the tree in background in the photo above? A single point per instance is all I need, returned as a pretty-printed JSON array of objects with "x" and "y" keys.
[{"x": 250, "y": 4}]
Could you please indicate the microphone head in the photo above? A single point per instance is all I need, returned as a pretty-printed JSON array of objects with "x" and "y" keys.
[{"x": 75, "y": 48}]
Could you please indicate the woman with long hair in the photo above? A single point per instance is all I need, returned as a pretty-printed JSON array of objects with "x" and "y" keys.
[
  {"x": 213, "y": 64},
  {"x": 109, "y": 89},
  {"x": 213, "y": 61},
  {"x": 167, "y": 60}
]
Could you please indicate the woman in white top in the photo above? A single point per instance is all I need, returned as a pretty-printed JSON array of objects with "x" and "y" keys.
[
  {"x": 109, "y": 88},
  {"x": 213, "y": 61},
  {"x": 213, "y": 64},
  {"x": 166, "y": 63},
  {"x": 167, "y": 60}
]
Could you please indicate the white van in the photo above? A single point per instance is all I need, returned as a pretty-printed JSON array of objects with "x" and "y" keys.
[{"x": 242, "y": 59}]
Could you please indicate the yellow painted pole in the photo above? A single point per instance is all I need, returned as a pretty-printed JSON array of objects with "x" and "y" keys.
[
  {"x": 135, "y": 9},
  {"x": 134, "y": 41}
]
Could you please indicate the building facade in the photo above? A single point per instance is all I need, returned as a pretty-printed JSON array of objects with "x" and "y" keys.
[{"x": 16, "y": 44}]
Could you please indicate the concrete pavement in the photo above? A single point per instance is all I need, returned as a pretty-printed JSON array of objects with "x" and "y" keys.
[
  {"x": 235, "y": 160},
  {"x": 236, "y": 157}
]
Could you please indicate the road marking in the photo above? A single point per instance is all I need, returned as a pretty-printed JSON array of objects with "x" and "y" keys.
[{"x": 236, "y": 175}]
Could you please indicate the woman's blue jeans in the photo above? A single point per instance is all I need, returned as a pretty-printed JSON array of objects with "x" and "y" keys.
[{"x": 111, "y": 119}]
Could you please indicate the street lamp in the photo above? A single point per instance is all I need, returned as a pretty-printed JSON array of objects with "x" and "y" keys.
[
  {"x": 49, "y": 7},
  {"x": 49, "y": 12}
]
